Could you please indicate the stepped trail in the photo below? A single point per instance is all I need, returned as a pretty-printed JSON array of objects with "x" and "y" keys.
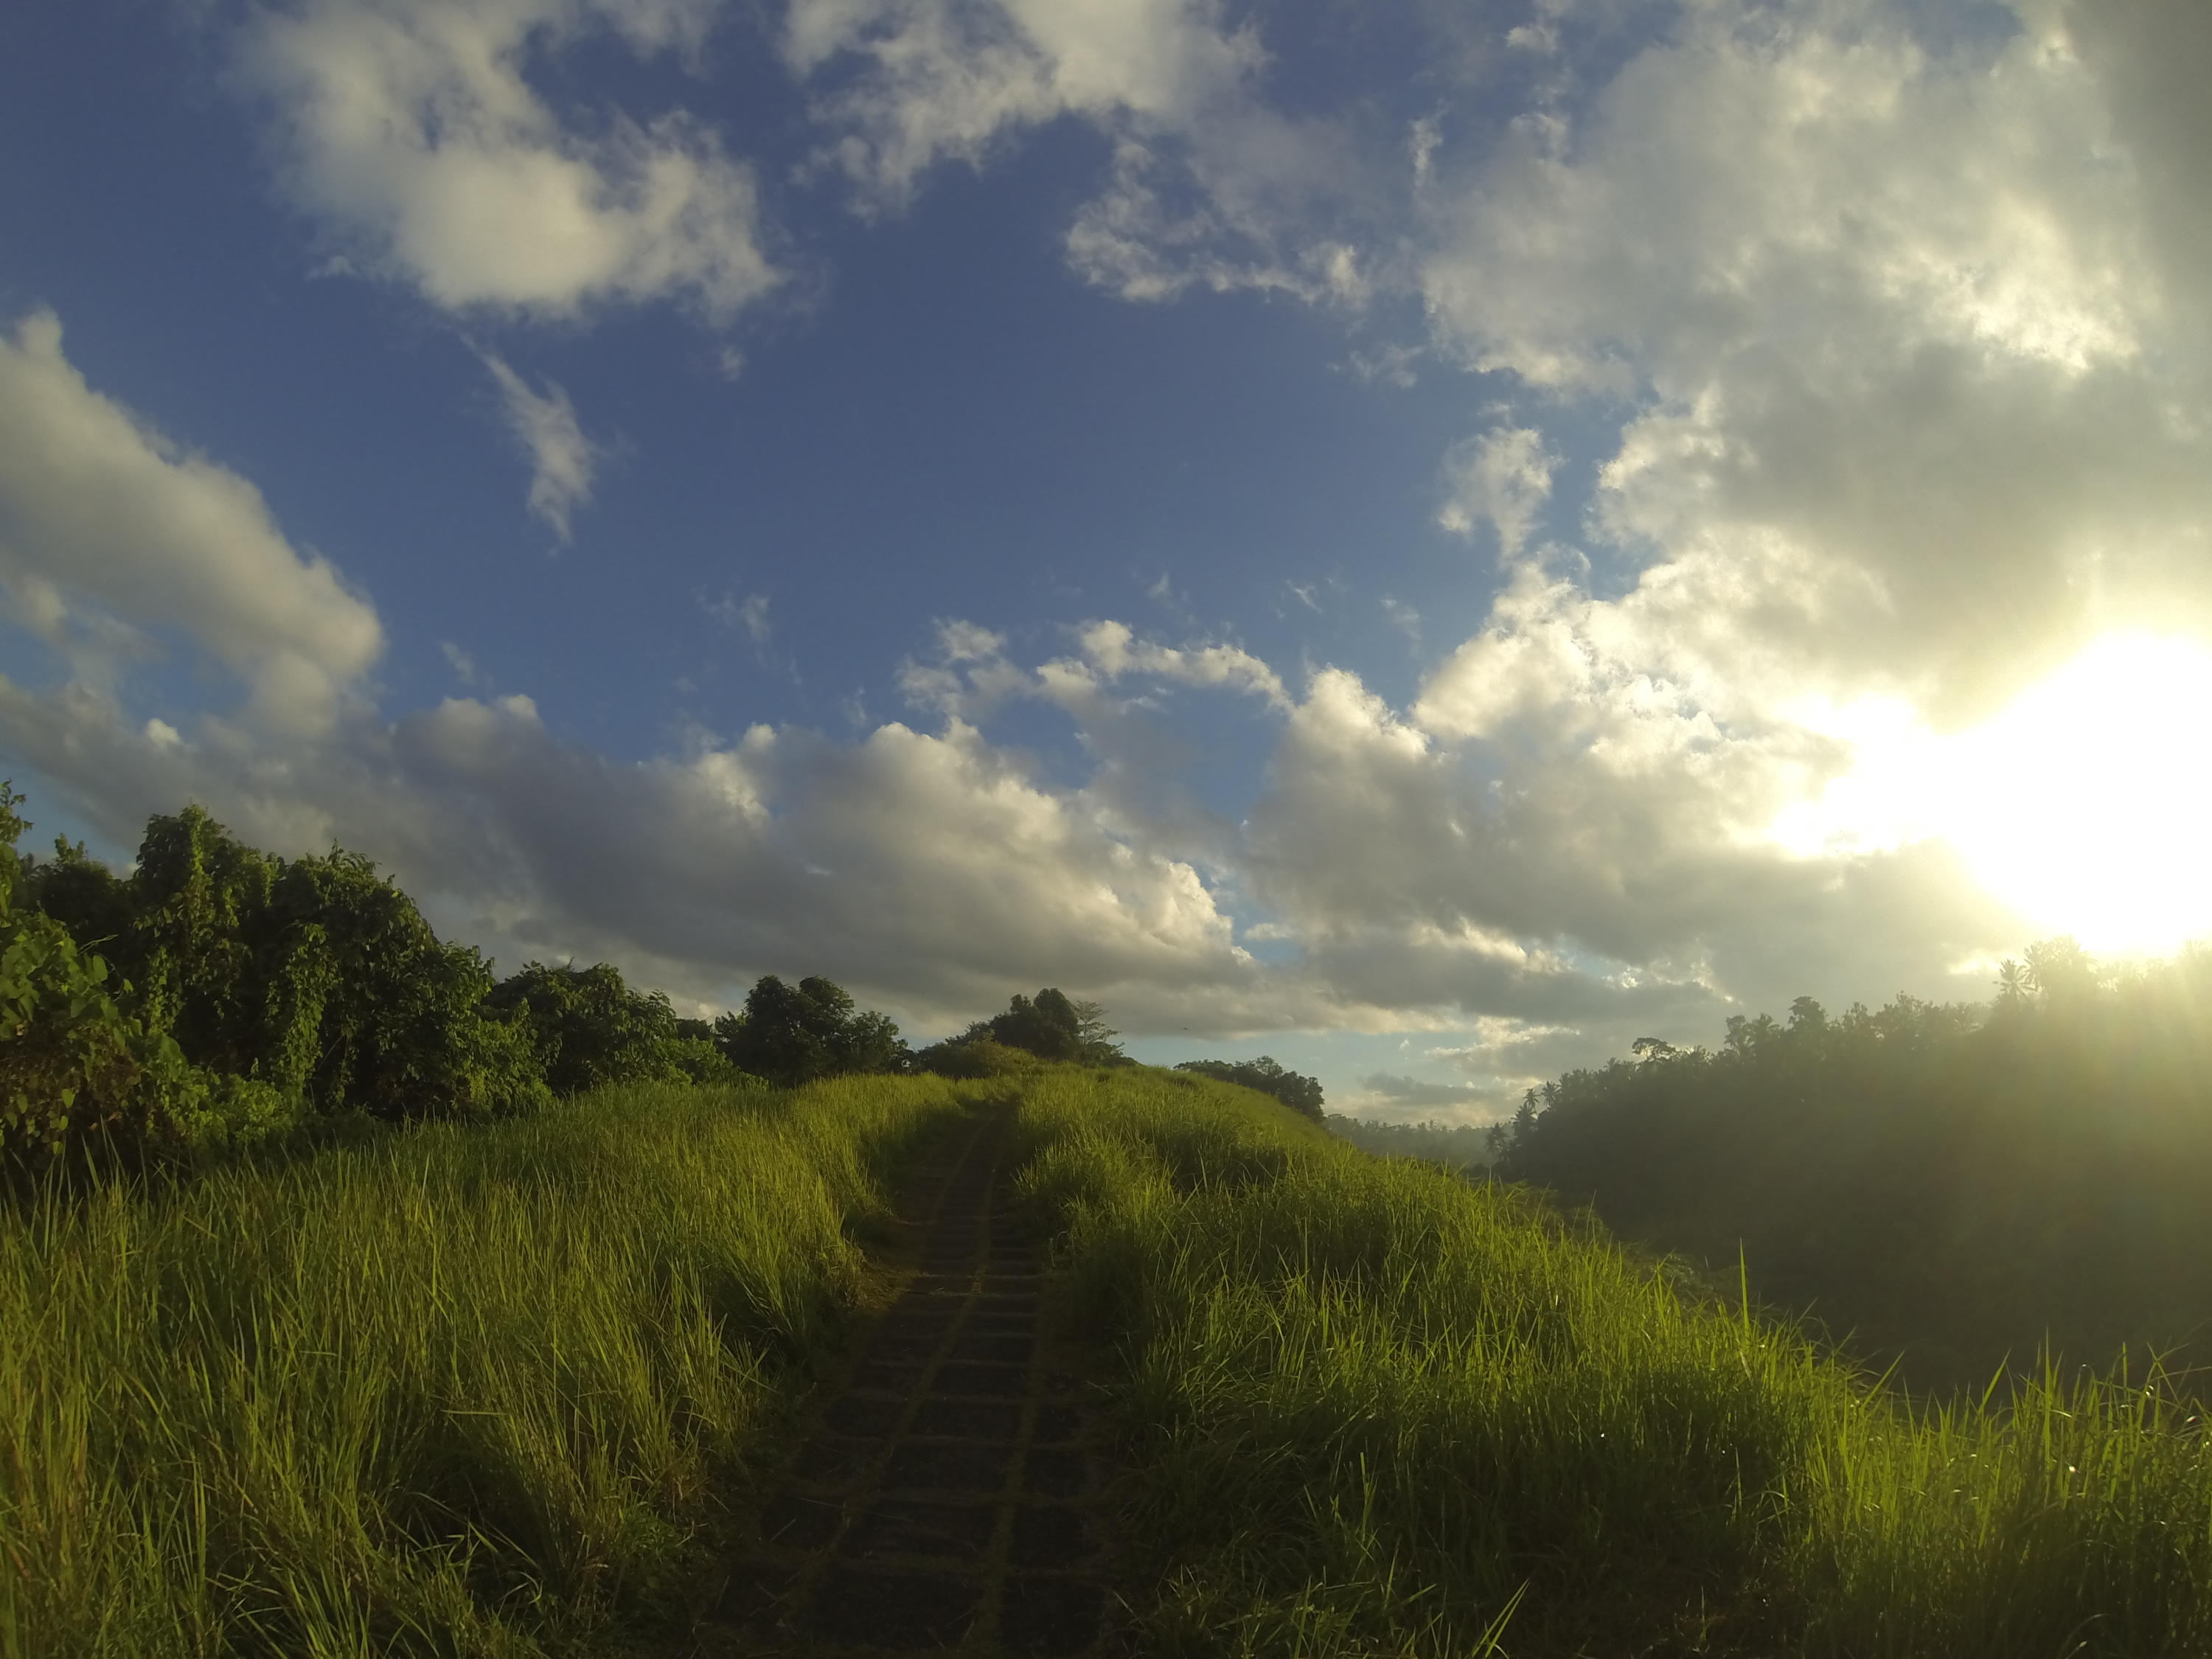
[{"x": 947, "y": 1497}]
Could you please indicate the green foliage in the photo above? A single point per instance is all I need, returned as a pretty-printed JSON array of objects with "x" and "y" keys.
[
  {"x": 88, "y": 898},
  {"x": 973, "y": 1058},
  {"x": 464, "y": 1390},
  {"x": 313, "y": 978},
  {"x": 1952, "y": 1188},
  {"x": 591, "y": 1029},
  {"x": 792, "y": 1033},
  {"x": 86, "y": 1088},
  {"x": 1052, "y": 1026},
  {"x": 1372, "y": 1409},
  {"x": 1301, "y": 1094}
]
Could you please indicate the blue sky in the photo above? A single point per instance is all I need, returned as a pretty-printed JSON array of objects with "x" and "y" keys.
[{"x": 1431, "y": 540}]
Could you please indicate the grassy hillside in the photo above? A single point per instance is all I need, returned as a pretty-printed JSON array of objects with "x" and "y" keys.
[
  {"x": 1375, "y": 1409},
  {"x": 460, "y": 1390},
  {"x": 469, "y": 1390}
]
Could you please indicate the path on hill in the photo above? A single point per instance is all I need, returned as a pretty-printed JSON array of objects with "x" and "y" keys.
[{"x": 947, "y": 1497}]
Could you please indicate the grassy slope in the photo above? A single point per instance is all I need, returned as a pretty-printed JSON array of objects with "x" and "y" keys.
[
  {"x": 463, "y": 1391},
  {"x": 1372, "y": 1404},
  {"x": 458, "y": 1391}
]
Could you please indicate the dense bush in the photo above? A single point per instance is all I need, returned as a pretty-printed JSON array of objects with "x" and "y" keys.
[{"x": 974, "y": 1057}]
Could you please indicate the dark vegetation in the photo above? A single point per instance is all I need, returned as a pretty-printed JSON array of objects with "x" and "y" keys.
[
  {"x": 220, "y": 997},
  {"x": 1951, "y": 1189},
  {"x": 1051, "y": 1026},
  {"x": 1301, "y": 1094}
]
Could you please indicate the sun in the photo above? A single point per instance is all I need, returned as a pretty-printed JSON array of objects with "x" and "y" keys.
[{"x": 2087, "y": 803}]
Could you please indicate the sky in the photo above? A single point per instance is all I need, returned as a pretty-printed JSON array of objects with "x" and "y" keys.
[{"x": 1429, "y": 539}]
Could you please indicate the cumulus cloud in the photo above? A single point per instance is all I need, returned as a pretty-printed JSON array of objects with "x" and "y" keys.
[
  {"x": 1895, "y": 425},
  {"x": 1867, "y": 432},
  {"x": 112, "y": 536},
  {"x": 561, "y": 458},
  {"x": 408, "y": 128}
]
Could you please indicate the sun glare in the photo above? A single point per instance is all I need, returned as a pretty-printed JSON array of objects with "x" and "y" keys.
[{"x": 2085, "y": 804}]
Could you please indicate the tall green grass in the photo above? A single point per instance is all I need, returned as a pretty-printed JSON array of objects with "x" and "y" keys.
[
  {"x": 458, "y": 1391},
  {"x": 1378, "y": 1410}
]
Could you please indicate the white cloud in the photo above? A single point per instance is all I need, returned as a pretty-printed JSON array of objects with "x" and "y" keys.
[
  {"x": 1501, "y": 478},
  {"x": 107, "y": 529},
  {"x": 561, "y": 458},
  {"x": 408, "y": 128}
]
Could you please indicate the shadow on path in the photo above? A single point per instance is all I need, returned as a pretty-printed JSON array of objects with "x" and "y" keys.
[{"x": 947, "y": 1497}]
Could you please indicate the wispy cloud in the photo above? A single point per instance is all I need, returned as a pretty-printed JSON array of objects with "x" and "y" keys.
[{"x": 562, "y": 460}]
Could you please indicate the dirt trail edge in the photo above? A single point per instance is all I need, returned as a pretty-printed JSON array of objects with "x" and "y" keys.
[{"x": 947, "y": 1497}]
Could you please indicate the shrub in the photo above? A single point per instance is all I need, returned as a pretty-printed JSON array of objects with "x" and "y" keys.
[{"x": 972, "y": 1058}]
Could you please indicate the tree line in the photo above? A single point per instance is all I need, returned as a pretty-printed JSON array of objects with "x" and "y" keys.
[
  {"x": 1950, "y": 1188},
  {"x": 221, "y": 996}
]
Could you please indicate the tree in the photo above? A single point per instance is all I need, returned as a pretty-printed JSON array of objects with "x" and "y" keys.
[
  {"x": 2062, "y": 973},
  {"x": 318, "y": 976},
  {"x": 79, "y": 892},
  {"x": 590, "y": 1029},
  {"x": 85, "y": 1085},
  {"x": 1049, "y": 1027},
  {"x": 1052, "y": 1026},
  {"x": 793, "y": 1034},
  {"x": 1524, "y": 1119}
]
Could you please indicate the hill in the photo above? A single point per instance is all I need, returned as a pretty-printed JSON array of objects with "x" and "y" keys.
[
  {"x": 485, "y": 1388},
  {"x": 1948, "y": 1189}
]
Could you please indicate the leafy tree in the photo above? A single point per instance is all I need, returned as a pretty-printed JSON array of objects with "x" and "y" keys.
[
  {"x": 84, "y": 1086},
  {"x": 1302, "y": 1095},
  {"x": 591, "y": 1029},
  {"x": 318, "y": 976},
  {"x": 792, "y": 1033},
  {"x": 81, "y": 893},
  {"x": 1052, "y": 1026}
]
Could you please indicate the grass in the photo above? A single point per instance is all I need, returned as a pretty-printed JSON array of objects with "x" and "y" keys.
[
  {"x": 1375, "y": 1409},
  {"x": 455, "y": 1391},
  {"x": 463, "y": 1392}
]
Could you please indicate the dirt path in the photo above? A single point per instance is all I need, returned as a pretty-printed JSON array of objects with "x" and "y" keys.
[{"x": 947, "y": 1497}]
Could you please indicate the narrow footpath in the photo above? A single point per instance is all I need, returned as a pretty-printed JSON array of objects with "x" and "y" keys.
[{"x": 947, "y": 1497}]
